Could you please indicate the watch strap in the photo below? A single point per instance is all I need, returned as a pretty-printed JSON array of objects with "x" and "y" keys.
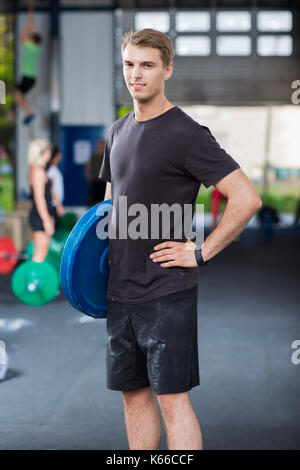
[{"x": 199, "y": 259}]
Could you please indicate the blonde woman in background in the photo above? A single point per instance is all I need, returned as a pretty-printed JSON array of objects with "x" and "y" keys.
[{"x": 42, "y": 214}]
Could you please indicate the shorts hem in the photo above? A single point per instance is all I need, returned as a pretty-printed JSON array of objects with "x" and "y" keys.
[
  {"x": 138, "y": 387},
  {"x": 127, "y": 389},
  {"x": 178, "y": 390}
]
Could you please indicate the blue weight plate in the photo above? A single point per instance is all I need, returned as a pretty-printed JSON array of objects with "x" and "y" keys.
[{"x": 84, "y": 267}]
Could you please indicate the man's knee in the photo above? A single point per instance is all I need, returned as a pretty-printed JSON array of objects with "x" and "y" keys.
[
  {"x": 138, "y": 397},
  {"x": 170, "y": 403}
]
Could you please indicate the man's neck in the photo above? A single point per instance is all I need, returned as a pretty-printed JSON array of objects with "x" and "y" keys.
[{"x": 146, "y": 111}]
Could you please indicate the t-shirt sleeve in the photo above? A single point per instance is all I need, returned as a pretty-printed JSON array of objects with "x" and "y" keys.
[
  {"x": 51, "y": 173},
  {"x": 206, "y": 160},
  {"x": 105, "y": 173}
]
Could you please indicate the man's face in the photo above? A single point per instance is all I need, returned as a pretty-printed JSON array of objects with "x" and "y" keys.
[{"x": 144, "y": 72}]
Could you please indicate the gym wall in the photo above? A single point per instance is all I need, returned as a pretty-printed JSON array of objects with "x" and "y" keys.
[
  {"x": 87, "y": 68},
  {"x": 224, "y": 80}
]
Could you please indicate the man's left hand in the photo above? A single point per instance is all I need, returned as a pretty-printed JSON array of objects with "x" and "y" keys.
[{"x": 175, "y": 254}]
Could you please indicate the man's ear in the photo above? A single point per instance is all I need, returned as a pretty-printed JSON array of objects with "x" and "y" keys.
[{"x": 168, "y": 71}]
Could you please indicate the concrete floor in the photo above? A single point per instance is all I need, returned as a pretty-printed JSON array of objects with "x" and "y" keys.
[{"x": 55, "y": 397}]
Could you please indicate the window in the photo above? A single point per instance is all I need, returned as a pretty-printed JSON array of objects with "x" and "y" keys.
[
  {"x": 277, "y": 45},
  {"x": 194, "y": 21},
  {"x": 274, "y": 21},
  {"x": 154, "y": 20},
  {"x": 235, "y": 33},
  {"x": 233, "y": 21},
  {"x": 193, "y": 46},
  {"x": 233, "y": 45}
]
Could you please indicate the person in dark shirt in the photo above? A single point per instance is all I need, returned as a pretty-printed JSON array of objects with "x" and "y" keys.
[
  {"x": 91, "y": 171},
  {"x": 155, "y": 155}
]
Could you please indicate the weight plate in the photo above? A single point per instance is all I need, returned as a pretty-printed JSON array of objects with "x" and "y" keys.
[
  {"x": 8, "y": 255},
  {"x": 54, "y": 254},
  {"x": 61, "y": 236},
  {"x": 35, "y": 283},
  {"x": 66, "y": 222},
  {"x": 84, "y": 285},
  {"x": 56, "y": 247}
]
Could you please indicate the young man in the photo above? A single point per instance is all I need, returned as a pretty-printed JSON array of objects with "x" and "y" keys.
[
  {"x": 157, "y": 154},
  {"x": 31, "y": 41}
]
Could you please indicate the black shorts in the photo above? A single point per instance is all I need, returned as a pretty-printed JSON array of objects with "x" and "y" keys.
[
  {"x": 154, "y": 343},
  {"x": 36, "y": 222},
  {"x": 25, "y": 84}
]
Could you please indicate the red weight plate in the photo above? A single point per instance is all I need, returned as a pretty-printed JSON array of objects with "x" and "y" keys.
[{"x": 8, "y": 255}]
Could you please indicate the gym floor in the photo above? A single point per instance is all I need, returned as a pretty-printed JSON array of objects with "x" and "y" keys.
[{"x": 54, "y": 395}]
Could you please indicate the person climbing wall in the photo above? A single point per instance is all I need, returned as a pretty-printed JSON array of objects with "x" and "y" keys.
[{"x": 31, "y": 41}]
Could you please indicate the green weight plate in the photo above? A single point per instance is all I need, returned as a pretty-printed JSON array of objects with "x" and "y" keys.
[
  {"x": 61, "y": 236},
  {"x": 58, "y": 241},
  {"x": 35, "y": 283},
  {"x": 67, "y": 221},
  {"x": 29, "y": 249},
  {"x": 56, "y": 247},
  {"x": 53, "y": 257}
]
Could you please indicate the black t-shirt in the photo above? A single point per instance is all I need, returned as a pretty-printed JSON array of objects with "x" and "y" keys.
[{"x": 162, "y": 160}]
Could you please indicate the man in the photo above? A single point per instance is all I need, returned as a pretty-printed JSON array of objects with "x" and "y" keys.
[
  {"x": 31, "y": 41},
  {"x": 91, "y": 171},
  {"x": 153, "y": 155}
]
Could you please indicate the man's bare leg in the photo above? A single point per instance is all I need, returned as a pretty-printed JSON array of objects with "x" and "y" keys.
[
  {"x": 142, "y": 419},
  {"x": 181, "y": 423},
  {"x": 21, "y": 101}
]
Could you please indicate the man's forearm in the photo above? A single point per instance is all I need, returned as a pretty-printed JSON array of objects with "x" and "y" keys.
[
  {"x": 235, "y": 218},
  {"x": 107, "y": 192}
]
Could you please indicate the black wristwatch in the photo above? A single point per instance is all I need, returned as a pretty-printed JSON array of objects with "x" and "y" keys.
[{"x": 199, "y": 259}]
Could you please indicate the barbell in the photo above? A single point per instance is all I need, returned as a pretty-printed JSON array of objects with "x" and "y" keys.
[
  {"x": 9, "y": 255},
  {"x": 36, "y": 283}
]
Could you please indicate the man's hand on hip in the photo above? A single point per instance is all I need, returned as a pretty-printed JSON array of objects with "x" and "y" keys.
[{"x": 175, "y": 254}]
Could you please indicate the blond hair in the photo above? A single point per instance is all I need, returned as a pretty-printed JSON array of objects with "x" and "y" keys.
[
  {"x": 36, "y": 150},
  {"x": 151, "y": 38}
]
